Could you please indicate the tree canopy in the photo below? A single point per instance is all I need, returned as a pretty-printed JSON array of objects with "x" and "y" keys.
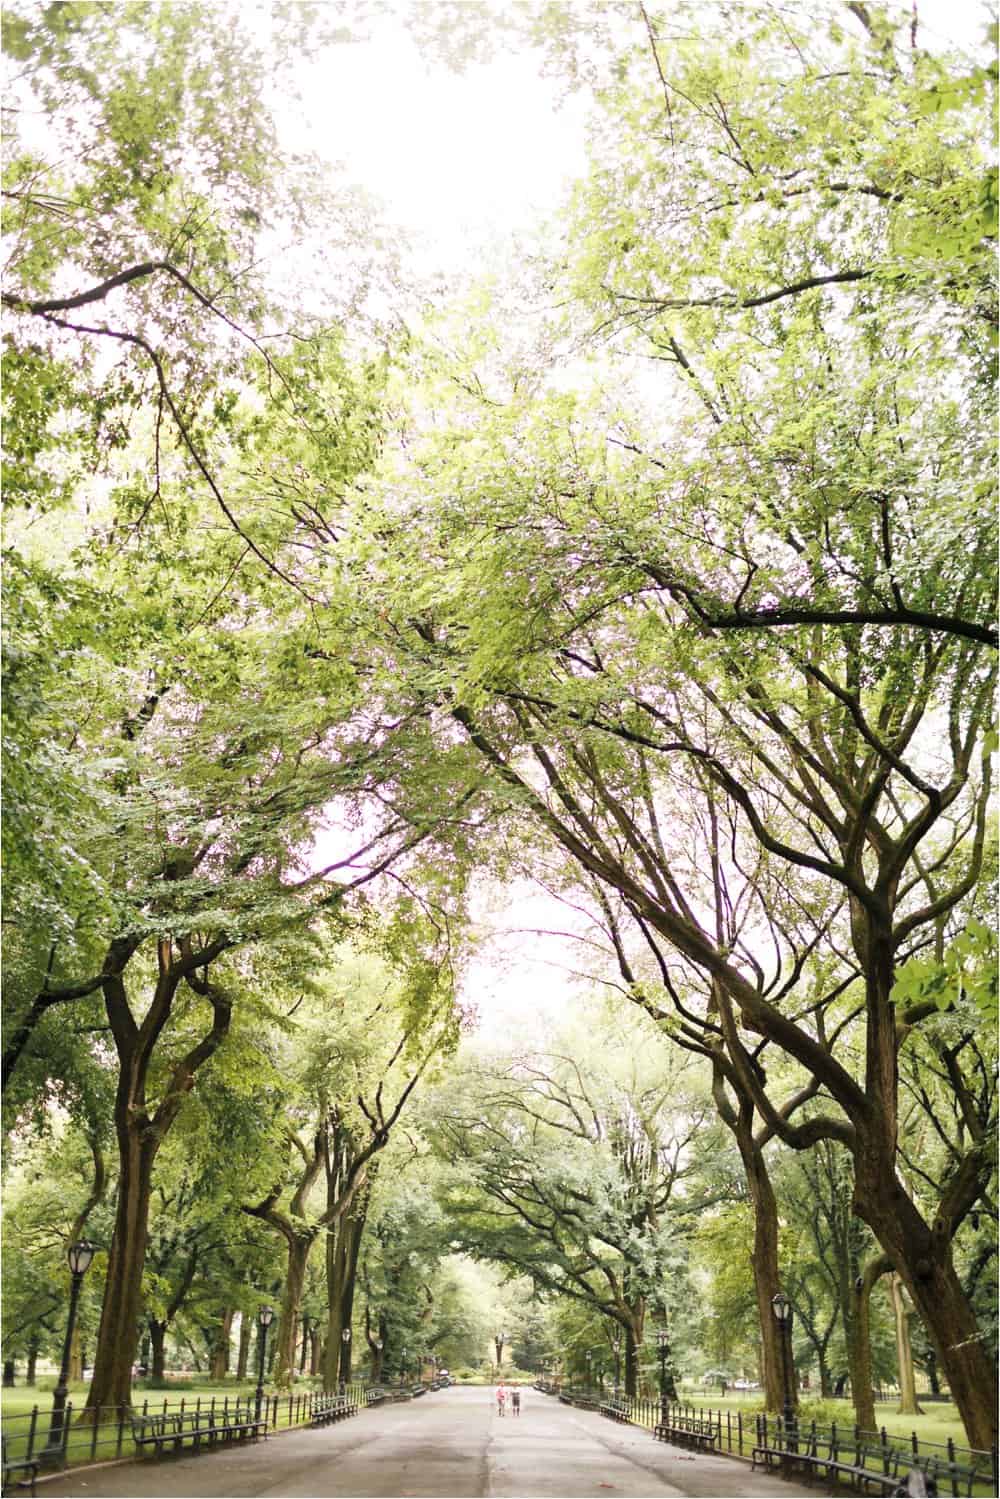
[{"x": 657, "y": 567}]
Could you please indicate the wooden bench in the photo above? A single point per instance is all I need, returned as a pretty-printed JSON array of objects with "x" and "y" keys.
[
  {"x": 13, "y": 1466},
  {"x": 688, "y": 1431},
  {"x": 615, "y": 1411}
]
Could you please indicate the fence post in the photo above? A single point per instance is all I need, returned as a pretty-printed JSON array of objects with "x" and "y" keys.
[
  {"x": 31, "y": 1431},
  {"x": 739, "y": 1430},
  {"x": 93, "y": 1434},
  {"x": 121, "y": 1430}
]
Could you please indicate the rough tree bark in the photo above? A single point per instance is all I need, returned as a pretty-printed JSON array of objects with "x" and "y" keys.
[
  {"x": 140, "y": 1132},
  {"x": 908, "y": 1405}
]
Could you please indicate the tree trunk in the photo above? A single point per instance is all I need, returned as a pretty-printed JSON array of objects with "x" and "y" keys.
[
  {"x": 859, "y": 1342},
  {"x": 923, "y": 1260},
  {"x": 243, "y": 1352},
  {"x": 825, "y": 1382},
  {"x": 904, "y": 1352},
  {"x": 9, "y": 1371},
  {"x": 764, "y": 1259},
  {"x": 139, "y": 1137},
  {"x": 334, "y": 1300},
  {"x": 219, "y": 1364},
  {"x": 76, "y": 1355},
  {"x": 29, "y": 1375},
  {"x": 299, "y": 1244},
  {"x": 118, "y": 1333},
  {"x": 354, "y": 1227},
  {"x": 158, "y": 1344}
]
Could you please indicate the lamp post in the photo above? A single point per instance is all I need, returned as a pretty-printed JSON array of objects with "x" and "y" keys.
[
  {"x": 498, "y": 1341},
  {"x": 782, "y": 1308},
  {"x": 402, "y": 1364},
  {"x": 377, "y": 1371},
  {"x": 590, "y": 1368},
  {"x": 265, "y": 1316},
  {"x": 932, "y": 1369},
  {"x": 79, "y": 1255},
  {"x": 616, "y": 1343},
  {"x": 345, "y": 1356},
  {"x": 663, "y": 1349}
]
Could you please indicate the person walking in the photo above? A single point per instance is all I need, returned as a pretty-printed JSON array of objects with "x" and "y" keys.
[
  {"x": 501, "y": 1398},
  {"x": 515, "y": 1402}
]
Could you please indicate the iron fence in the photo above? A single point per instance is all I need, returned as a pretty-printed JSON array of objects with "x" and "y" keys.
[
  {"x": 107, "y": 1432},
  {"x": 737, "y": 1434}
]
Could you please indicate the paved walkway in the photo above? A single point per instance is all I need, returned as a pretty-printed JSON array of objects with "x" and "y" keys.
[{"x": 450, "y": 1444}]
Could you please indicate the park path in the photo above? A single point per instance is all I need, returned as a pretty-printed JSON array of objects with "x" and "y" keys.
[{"x": 450, "y": 1444}]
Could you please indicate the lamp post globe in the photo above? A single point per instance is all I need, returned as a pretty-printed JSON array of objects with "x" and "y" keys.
[
  {"x": 616, "y": 1343},
  {"x": 79, "y": 1254}
]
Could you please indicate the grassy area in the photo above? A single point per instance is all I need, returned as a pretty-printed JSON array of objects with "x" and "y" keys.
[
  {"x": 19, "y": 1400},
  {"x": 937, "y": 1424}
]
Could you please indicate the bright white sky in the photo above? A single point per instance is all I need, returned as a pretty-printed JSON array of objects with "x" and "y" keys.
[
  {"x": 463, "y": 164},
  {"x": 459, "y": 160}
]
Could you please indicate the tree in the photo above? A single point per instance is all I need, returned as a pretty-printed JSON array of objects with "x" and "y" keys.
[
  {"x": 595, "y": 700},
  {"x": 362, "y": 1054},
  {"x": 574, "y": 1178}
]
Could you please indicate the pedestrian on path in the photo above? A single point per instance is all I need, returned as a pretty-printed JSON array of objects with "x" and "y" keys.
[
  {"x": 501, "y": 1398},
  {"x": 515, "y": 1402}
]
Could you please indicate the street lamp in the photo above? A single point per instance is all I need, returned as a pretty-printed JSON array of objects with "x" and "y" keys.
[
  {"x": 79, "y": 1255},
  {"x": 590, "y": 1367},
  {"x": 265, "y": 1316},
  {"x": 616, "y": 1343},
  {"x": 498, "y": 1342},
  {"x": 402, "y": 1364},
  {"x": 663, "y": 1349},
  {"x": 782, "y": 1308}
]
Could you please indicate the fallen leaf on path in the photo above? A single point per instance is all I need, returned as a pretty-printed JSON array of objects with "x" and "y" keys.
[{"x": 605, "y": 1485}]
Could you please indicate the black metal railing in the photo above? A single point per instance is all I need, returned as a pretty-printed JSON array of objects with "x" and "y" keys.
[
  {"x": 107, "y": 1433},
  {"x": 958, "y": 1470}
]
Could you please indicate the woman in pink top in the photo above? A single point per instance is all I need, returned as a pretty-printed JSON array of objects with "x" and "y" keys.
[{"x": 501, "y": 1398}]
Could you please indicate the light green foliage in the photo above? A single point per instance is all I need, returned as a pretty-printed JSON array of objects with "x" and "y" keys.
[
  {"x": 966, "y": 975},
  {"x": 571, "y": 1170}
]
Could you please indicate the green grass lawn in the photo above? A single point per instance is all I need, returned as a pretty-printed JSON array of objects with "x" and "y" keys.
[
  {"x": 19, "y": 1400},
  {"x": 937, "y": 1424}
]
